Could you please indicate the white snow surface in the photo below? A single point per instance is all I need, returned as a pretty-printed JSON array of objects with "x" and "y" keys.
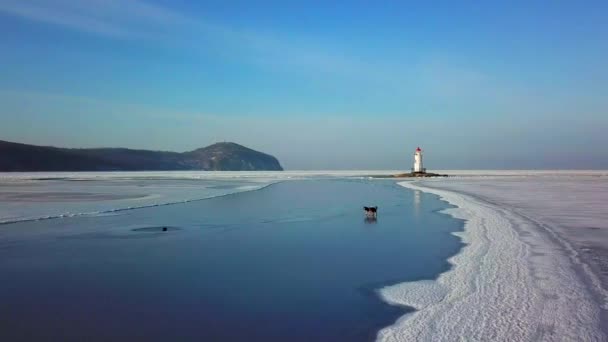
[{"x": 521, "y": 276}]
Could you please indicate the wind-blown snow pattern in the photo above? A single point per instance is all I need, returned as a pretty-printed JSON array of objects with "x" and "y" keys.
[{"x": 511, "y": 282}]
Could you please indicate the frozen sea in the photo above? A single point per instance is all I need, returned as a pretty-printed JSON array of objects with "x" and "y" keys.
[
  {"x": 481, "y": 256},
  {"x": 258, "y": 257}
]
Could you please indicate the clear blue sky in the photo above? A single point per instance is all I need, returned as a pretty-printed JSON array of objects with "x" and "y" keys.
[{"x": 321, "y": 85}]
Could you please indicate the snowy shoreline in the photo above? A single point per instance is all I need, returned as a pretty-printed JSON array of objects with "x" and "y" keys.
[{"x": 511, "y": 282}]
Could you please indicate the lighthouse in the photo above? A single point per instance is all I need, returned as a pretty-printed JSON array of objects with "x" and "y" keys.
[{"x": 418, "y": 161}]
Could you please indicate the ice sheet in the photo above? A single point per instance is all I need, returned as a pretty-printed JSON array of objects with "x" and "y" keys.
[
  {"x": 512, "y": 282},
  {"x": 571, "y": 207},
  {"x": 41, "y": 195}
]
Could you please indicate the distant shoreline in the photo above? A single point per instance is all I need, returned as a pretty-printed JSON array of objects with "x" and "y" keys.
[
  {"x": 411, "y": 175},
  {"x": 224, "y": 156}
]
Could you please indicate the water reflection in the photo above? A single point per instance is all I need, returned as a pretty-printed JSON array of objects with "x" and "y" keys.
[
  {"x": 370, "y": 220},
  {"x": 417, "y": 200}
]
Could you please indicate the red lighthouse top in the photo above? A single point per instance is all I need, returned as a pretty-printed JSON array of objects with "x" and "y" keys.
[{"x": 418, "y": 149}]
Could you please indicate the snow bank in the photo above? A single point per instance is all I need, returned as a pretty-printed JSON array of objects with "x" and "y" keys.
[{"x": 510, "y": 283}]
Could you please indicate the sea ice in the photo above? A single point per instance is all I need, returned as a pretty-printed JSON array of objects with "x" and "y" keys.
[
  {"x": 514, "y": 281},
  {"x": 39, "y": 195}
]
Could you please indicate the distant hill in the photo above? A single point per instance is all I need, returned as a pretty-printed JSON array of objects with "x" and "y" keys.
[{"x": 224, "y": 156}]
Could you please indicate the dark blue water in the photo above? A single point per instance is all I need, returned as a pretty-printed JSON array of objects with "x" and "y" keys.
[{"x": 296, "y": 261}]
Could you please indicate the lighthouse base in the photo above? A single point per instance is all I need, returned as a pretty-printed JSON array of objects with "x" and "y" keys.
[{"x": 420, "y": 174}]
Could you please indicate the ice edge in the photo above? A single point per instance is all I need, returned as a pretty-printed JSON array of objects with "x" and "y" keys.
[{"x": 121, "y": 209}]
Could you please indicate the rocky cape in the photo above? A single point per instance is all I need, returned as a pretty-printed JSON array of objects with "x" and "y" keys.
[{"x": 225, "y": 156}]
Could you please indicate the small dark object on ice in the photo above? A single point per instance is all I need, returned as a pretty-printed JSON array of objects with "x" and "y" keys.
[
  {"x": 371, "y": 211},
  {"x": 164, "y": 229}
]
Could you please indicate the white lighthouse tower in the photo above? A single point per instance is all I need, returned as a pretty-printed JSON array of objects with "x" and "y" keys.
[{"x": 418, "y": 161}]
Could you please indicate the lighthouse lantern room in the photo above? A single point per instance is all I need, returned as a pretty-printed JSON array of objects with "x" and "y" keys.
[{"x": 418, "y": 161}]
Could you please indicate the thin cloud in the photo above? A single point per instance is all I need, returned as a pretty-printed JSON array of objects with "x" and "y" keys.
[
  {"x": 135, "y": 20},
  {"x": 140, "y": 20},
  {"x": 66, "y": 14}
]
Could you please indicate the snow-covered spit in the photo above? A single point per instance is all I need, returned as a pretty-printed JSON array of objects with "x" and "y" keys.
[{"x": 532, "y": 268}]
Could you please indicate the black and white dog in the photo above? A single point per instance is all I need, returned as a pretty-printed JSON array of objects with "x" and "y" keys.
[{"x": 371, "y": 211}]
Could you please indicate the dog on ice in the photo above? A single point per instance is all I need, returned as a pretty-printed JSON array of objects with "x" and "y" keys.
[{"x": 371, "y": 211}]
